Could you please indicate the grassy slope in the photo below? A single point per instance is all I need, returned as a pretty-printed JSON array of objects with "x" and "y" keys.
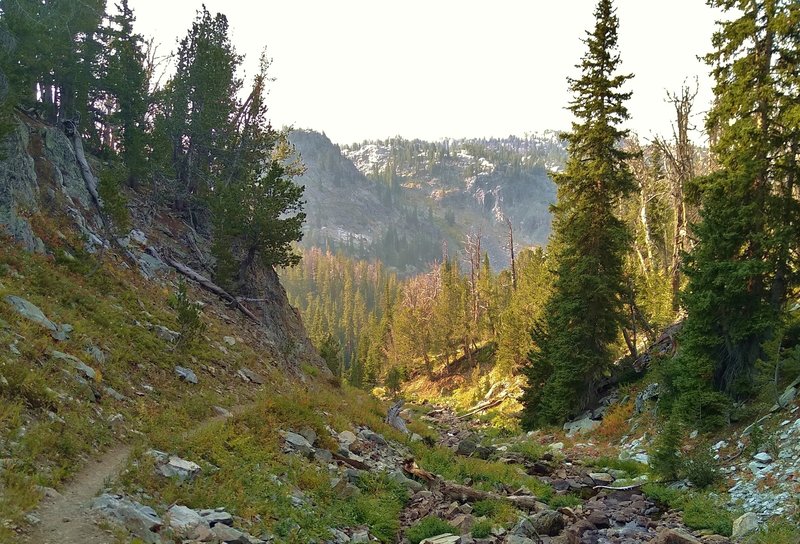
[{"x": 50, "y": 423}]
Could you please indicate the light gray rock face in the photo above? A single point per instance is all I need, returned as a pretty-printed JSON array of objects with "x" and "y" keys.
[
  {"x": 581, "y": 426},
  {"x": 186, "y": 374},
  {"x": 18, "y": 190},
  {"x": 58, "y": 177},
  {"x": 137, "y": 518},
  {"x": 744, "y": 525},
  {"x": 30, "y": 311},
  {"x": 85, "y": 370},
  {"x": 185, "y": 521},
  {"x": 650, "y": 392}
]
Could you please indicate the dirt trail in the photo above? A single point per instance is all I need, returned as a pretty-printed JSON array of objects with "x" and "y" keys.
[{"x": 66, "y": 519}]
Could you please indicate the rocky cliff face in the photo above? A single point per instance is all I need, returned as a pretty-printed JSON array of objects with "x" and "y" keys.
[
  {"x": 39, "y": 177},
  {"x": 366, "y": 194},
  {"x": 39, "y": 174}
]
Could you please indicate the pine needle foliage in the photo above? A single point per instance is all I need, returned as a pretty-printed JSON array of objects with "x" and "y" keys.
[
  {"x": 745, "y": 262},
  {"x": 584, "y": 314}
]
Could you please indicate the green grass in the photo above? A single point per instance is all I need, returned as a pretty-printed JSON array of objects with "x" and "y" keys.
[
  {"x": 629, "y": 466},
  {"x": 485, "y": 475},
  {"x": 499, "y": 512},
  {"x": 482, "y": 529},
  {"x": 776, "y": 532},
  {"x": 700, "y": 510},
  {"x": 532, "y": 451},
  {"x": 428, "y": 527}
]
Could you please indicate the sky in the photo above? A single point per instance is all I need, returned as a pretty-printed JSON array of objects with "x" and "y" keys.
[{"x": 430, "y": 69}]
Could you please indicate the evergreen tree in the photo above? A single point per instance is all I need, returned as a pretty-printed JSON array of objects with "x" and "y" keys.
[
  {"x": 201, "y": 105},
  {"x": 745, "y": 261},
  {"x": 256, "y": 206},
  {"x": 584, "y": 314},
  {"x": 126, "y": 80}
]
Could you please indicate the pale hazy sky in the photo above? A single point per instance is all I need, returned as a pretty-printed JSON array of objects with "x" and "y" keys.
[{"x": 361, "y": 69}]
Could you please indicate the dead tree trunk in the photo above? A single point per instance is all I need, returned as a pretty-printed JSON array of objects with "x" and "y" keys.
[
  {"x": 511, "y": 250},
  {"x": 71, "y": 130},
  {"x": 393, "y": 417},
  {"x": 680, "y": 160}
]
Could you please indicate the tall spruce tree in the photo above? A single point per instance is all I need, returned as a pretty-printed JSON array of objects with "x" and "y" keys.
[
  {"x": 126, "y": 80},
  {"x": 746, "y": 259},
  {"x": 584, "y": 314}
]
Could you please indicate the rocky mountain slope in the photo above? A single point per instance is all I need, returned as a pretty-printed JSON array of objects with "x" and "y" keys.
[
  {"x": 124, "y": 421},
  {"x": 368, "y": 195}
]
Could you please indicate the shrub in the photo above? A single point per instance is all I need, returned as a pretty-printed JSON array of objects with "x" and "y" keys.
[
  {"x": 701, "y": 469},
  {"x": 189, "y": 315},
  {"x": 428, "y": 527},
  {"x": 115, "y": 205},
  {"x": 615, "y": 422},
  {"x": 482, "y": 529},
  {"x": 665, "y": 458},
  {"x": 663, "y": 495},
  {"x": 631, "y": 467},
  {"x": 778, "y": 531},
  {"x": 702, "y": 512}
]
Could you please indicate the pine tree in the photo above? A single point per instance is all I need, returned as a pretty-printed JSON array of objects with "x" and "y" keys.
[
  {"x": 126, "y": 80},
  {"x": 256, "y": 206},
  {"x": 745, "y": 261},
  {"x": 584, "y": 314},
  {"x": 201, "y": 104}
]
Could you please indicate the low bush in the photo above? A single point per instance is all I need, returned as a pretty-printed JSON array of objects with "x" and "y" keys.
[
  {"x": 701, "y": 469},
  {"x": 482, "y": 529},
  {"x": 776, "y": 532},
  {"x": 704, "y": 512},
  {"x": 629, "y": 466},
  {"x": 428, "y": 527}
]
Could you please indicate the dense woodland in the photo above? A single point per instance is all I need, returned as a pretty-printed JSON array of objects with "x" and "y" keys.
[
  {"x": 198, "y": 141},
  {"x": 645, "y": 233}
]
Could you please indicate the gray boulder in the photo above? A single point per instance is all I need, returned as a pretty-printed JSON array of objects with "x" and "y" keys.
[
  {"x": 547, "y": 522},
  {"x": 166, "y": 334},
  {"x": 217, "y": 516},
  {"x": 744, "y": 525},
  {"x": 185, "y": 521},
  {"x": 140, "y": 520},
  {"x": 84, "y": 369},
  {"x": 186, "y": 374},
  {"x": 178, "y": 468},
  {"x": 31, "y": 312},
  {"x": 250, "y": 376},
  {"x": 229, "y": 535}
]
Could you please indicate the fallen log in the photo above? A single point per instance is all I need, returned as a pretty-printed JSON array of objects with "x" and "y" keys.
[
  {"x": 463, "y": 493},
  {"x": 351, "y": 462},
  {"x": 620, "y": 488},
  {"x": 209, "y": 285},
  {"x": 482, "y": 407},
  {"x": 89, "y": 180}
]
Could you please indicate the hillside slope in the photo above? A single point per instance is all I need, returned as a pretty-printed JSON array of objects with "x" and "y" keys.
[{"x": 400, "y": 200}]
